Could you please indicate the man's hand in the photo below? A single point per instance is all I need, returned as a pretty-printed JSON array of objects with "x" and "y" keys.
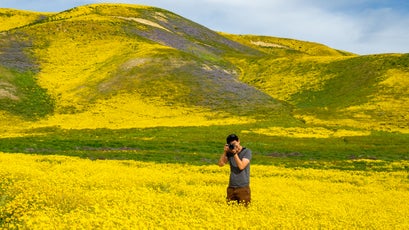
[{"x": 226, "y": 148}]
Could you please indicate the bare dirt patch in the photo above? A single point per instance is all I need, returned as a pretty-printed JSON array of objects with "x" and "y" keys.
[
  {"x": 7, "y": 90},
  {"x": 267, "y": 44},
  {"x": 144, "y": 21}
]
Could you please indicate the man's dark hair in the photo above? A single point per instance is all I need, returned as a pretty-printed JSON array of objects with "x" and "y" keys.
[{"x": 232, "y": 137}]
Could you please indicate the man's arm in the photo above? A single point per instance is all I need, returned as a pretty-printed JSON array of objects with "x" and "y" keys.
[
  {"x": 223, "y": 159},
  {"x": 241, "y": 164}
]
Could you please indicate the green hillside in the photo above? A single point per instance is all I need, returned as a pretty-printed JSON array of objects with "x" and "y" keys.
[
  {"x": 367, "y": 91},
  {"x": 331, "y": 87},
  {"x": 107, "y": 67}
]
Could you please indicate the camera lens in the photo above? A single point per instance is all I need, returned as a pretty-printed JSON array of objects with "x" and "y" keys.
[{"x": 231, "y": 146}]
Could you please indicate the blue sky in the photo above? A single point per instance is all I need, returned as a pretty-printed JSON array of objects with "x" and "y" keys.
[{"x": 358, "y": 26}]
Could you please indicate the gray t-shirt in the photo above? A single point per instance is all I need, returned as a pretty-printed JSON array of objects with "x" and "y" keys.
[{"x": 240, "y": 178}]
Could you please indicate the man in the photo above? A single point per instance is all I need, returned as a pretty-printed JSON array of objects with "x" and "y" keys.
[{"x": 239, "y": 159}]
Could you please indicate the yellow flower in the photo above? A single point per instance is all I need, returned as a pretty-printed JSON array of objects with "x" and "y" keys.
[{"x": 42, "y": 192}]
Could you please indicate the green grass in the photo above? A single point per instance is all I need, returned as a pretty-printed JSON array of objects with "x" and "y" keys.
[{"x": 203, "y": 145}]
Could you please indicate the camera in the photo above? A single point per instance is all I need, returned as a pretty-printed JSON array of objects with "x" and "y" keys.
[{"x": 232, "y": 146}]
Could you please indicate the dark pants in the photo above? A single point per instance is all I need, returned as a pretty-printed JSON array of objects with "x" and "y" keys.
[{"x": 239, "y": 194}]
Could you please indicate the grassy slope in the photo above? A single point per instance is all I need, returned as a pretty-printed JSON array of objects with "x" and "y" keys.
[
  {"x": 279, "y": 47},
  {"x": 330, "y": 87},
  {"x": 126, "y": 67}
]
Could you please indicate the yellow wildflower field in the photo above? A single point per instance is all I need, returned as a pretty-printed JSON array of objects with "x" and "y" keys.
[{"x": 58, "y": 192}]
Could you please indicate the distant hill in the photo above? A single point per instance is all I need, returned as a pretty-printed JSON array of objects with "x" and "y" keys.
[
  {"x": 121, "y": 66},
  {"x": 11, "y": 19}
]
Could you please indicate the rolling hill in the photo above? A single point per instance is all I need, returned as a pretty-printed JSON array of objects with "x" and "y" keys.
[{"x": 122, "y": 66}]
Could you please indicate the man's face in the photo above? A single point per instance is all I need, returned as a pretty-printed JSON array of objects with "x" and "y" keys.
[{"x": 236, "y": 146}]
